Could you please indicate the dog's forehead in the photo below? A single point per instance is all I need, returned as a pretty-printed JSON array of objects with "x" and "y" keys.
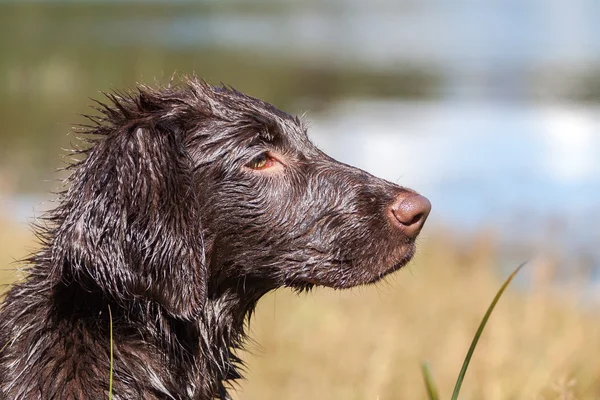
[
  {"x": 236, "y": 120},
  {"x": 272, "y": 123},
  {"x": 287, "y": 131}
]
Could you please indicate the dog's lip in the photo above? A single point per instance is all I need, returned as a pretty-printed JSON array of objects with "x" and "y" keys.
[
  {"x": 401, "y": 263},
  {"x": 398, "y": 260}
]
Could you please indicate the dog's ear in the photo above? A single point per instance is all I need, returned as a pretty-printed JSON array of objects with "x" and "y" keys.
[{"x": 129, "y": 225}]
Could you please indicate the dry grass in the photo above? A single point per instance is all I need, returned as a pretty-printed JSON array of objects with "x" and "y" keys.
[
  {"x": 368, "y": 343},
  {"x": 16, "y": 241}
]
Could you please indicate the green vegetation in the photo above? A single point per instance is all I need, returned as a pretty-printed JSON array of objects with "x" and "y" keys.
[
  {"x": 432, "y": 393},
  {"x": 430, "y": 386},
  {"x": 59, "y": 55}
]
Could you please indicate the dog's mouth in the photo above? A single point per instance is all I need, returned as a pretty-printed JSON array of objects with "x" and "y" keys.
[
  {"x": 351, "y": 273},
  {"x": 401, "y": 260},
  {"x": 395, "y": 261}
]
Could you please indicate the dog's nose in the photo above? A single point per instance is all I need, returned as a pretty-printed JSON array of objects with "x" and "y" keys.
[{"x": 409, "y": 213}]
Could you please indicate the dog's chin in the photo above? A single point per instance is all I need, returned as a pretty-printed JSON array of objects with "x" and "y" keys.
[
  {"x": 396, "y": 262},
  {"x": 371, "y": 271}
]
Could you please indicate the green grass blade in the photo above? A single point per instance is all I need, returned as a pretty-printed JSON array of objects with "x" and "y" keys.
[
  {"x": 463, "y": 371},
  {"x": 110, "y": 376},
  {"x": 432, "y": 392}
]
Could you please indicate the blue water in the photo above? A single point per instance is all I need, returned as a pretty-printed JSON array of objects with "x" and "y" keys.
[{"x": 529, "y": 173}]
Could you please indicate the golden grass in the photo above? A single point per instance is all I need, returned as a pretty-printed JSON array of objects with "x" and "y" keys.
[
  {"x": 368, "y": 343},
  {"x": 541, "y": 343},
  {"x": 16, "y": 242}
]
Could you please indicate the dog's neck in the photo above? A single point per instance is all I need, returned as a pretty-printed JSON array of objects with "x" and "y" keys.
[
  {"x": 208, "y": 344},
  {"x": 228, "y": 311}
]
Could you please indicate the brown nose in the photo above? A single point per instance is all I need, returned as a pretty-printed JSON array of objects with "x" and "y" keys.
[{"x": 409, "y": 213}]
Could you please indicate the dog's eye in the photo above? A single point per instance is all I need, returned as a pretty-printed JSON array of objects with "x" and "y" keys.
[{"x": 262, "y": 161}]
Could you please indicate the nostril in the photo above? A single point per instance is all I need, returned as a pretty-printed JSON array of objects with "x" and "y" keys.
[
  {"x": 416, "y": 219},
  {"x": 410, "y": 213}
]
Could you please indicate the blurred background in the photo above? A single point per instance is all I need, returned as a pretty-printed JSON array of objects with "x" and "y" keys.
[{"x": 489, "y": 108}]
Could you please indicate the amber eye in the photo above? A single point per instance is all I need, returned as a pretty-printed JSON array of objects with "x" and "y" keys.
[{"x": 262, "y": 161}]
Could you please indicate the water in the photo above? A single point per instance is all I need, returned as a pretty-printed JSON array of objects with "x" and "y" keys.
[
  {"x": 530, "y": 173},
  {"x": 467, "y": 34}
]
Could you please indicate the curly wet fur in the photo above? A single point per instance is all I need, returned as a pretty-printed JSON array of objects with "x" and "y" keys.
[{"x": 163, "y": 223}]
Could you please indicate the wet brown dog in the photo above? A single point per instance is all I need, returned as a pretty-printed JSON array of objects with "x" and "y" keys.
[{"x": 190, "y": 204}]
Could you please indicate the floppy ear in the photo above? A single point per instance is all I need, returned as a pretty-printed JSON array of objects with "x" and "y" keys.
[{"x": 129, "y": 224}]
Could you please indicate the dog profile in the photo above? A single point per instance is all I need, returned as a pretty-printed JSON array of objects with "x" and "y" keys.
[{"x": 188, "y": 204}]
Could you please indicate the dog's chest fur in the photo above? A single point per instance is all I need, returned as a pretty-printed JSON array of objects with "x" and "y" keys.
[{"x": 155, "y": 357}]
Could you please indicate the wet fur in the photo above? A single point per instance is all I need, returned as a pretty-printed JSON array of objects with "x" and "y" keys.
[{"x": 162, "y": 223}]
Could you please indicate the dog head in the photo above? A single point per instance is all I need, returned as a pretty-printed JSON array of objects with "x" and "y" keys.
[{"x": 190, "y": 190}]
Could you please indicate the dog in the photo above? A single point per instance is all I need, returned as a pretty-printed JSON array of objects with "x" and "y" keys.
[{"x": 187, "y": 205}]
